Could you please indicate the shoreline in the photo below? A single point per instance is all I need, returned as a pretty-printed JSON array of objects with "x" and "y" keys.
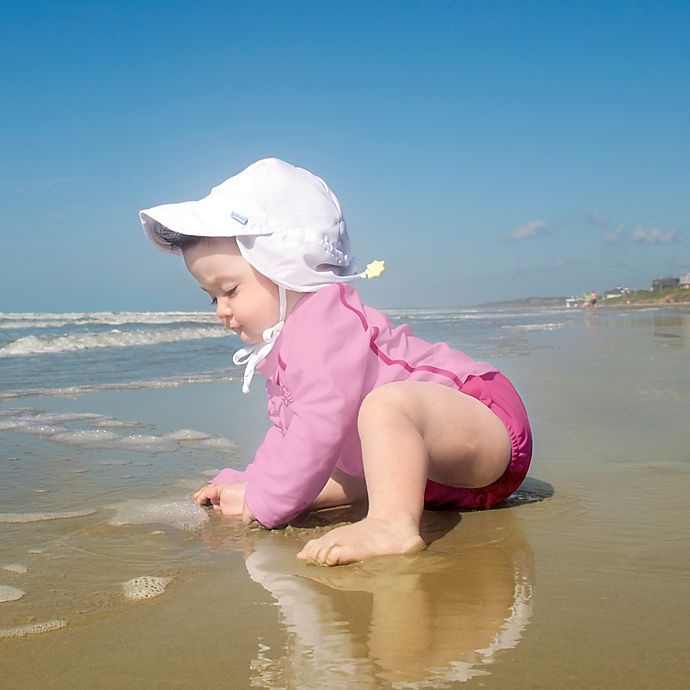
[
  {"x": 601, "y": 304},
  {"x": 661, "y": 304}
]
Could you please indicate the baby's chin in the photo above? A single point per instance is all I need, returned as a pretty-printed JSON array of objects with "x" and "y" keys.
[{"x": 248, "y": 338}]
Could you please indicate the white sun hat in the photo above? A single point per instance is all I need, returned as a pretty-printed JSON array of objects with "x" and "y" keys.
[
  {"x": 287, "y": 222},
  {"x": 288, "y": 225}
]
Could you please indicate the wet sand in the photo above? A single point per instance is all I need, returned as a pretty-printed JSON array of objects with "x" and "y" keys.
[{"x": 582, "y": 580}]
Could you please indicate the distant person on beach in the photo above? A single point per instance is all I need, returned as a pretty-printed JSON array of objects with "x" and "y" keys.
[
  {"x": 593, "y": 298},
  {"x": 360, "y": 410}
]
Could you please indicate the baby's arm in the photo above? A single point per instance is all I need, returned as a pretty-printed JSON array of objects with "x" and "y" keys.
[{"x": 325, "y": 364}]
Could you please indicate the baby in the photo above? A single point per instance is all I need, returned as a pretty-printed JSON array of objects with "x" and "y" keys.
[{"x": 360, "y": 410}]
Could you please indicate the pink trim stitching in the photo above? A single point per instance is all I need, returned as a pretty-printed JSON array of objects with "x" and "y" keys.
[
  {"x": 387, "y": 360},
  {"x": 362, "y": 318}
]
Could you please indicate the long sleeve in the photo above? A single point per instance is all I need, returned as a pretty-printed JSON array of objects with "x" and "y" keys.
[
  {"x": 321, "y": 376},
  {"x": 229, "y": 475}
]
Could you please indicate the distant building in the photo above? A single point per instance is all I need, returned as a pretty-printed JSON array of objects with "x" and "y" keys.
[
  {"x": 685, "y": 281},
  {"x": 664, "y": 283},
  {"x": 616, "y": 292}
]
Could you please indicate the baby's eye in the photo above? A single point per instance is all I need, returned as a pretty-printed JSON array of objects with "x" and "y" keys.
[{"x": 214, "y": 300}]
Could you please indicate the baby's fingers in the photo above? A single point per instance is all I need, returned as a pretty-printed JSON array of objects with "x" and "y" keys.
[{"x": 207, "y": 494}]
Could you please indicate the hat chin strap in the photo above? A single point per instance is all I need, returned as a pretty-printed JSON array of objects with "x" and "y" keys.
[{"x": 252, "y": 356}]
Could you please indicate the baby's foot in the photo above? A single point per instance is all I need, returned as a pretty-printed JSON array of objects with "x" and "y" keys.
[{"x": 364, "y": 539}]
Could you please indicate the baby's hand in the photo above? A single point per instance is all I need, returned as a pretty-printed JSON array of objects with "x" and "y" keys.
[{"x": 228, "y": 498}]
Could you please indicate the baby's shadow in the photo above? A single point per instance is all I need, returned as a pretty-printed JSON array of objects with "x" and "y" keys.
[
  {"x": 434, "y": 524},
  {"x": 532, "y": 490},
  {"x": 437, "y": 524}
]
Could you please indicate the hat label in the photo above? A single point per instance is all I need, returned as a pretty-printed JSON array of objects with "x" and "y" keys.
[{"x": 239, "y": 218}]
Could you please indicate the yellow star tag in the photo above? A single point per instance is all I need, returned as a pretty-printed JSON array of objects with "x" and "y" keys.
[{"x": 374, "y": 269}]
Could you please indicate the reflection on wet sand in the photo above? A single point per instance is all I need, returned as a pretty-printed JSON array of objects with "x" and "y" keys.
[
  {"x": 672, "y": 331},
  {"x": 426, "y": 620},
  {"x": 666, "y": 329}
]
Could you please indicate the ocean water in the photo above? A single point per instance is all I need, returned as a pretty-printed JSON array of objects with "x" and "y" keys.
[
  {"x": 110, "y": 575},
  {"x": 76, "y": 353}
]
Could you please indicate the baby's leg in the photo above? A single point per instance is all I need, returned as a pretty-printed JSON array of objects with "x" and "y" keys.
[
  {"x": 341, "y": 490},
  {"x": 411, "y": 431}
]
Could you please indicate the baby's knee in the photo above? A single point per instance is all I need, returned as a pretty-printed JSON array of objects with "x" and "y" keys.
[{"x": 390, "y": 403}]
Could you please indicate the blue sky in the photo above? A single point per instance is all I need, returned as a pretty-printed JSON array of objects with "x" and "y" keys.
[{"x": 485, "y": 150}]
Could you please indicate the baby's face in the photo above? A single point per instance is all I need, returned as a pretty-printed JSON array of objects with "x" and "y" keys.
[{"x": 246, "y": 301}]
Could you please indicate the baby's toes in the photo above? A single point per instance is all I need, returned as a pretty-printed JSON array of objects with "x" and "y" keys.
[
  {"x": 331, "y": 555},
  {"x": 326, "y": 552},
  {"x": 309, "y": 550}
]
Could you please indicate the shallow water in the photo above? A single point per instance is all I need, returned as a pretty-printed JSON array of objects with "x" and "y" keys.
[{"x": 583, "y": 580}]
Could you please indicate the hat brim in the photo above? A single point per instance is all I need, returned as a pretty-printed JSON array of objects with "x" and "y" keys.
[{"x": 202, "y": 218}]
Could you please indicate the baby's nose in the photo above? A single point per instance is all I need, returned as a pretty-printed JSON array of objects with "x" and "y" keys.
[{"x": 223, "y": 310}]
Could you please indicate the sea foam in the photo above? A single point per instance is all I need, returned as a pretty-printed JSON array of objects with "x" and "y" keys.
[
  {"x": 15, "y": 568},
  {"x": 16, "y": 518},
  {"x": 8, "y": 593},
  {"x": 32, "y": 345},
  {"x": 146, "y": 443},
  {"x": 188, "y": 435},
  {"x": 145, "y": 587},
  {"x": 10, "y": 424},
  {"x": 14, "y": 411},
  {"x": 117, "y": 424},
  {"x": 62, "y": 417},
  {"x": 166, "y": 382},
  {"x": 85, "y": 437},
  {"x": 224, "y": 445},
  {"x": 17, "y": 321},
  {"x": 33, "y": 628},
  {"x": 183, "y": 515},
  {"x": 43, "y": 429}
]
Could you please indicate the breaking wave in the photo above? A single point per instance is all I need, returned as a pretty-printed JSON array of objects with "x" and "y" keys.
[
  {"x": 167, "y": 382},
  {"x": 50, "y": 344},
  {"x": 37, "y": 320}
]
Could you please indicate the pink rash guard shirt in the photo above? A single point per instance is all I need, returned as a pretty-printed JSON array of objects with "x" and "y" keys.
[{"x": 332, "y": 351}]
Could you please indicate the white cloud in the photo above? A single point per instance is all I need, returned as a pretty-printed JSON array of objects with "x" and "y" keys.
[
  {"x": 642, "y": 235},
  {"x": 527, "y": 230},
  {"x": 617, "y": 236},
  {"x": 623, "y": 236}
]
